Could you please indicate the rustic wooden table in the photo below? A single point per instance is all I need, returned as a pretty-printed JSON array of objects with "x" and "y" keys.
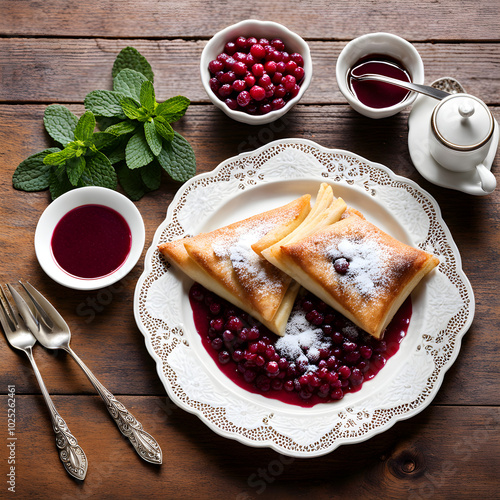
[{"x": 56, "y": 52}]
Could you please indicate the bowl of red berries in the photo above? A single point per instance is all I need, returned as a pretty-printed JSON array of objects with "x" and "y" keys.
[{"x": 256, "y": 71}]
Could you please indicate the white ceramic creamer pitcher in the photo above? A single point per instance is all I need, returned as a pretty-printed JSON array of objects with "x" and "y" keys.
[{"x": 461, "y": 135}]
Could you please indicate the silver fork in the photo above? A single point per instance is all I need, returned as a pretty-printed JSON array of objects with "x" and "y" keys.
[
  {"x": 52, "y": 332},
  {"x": 18, "y": 335}
]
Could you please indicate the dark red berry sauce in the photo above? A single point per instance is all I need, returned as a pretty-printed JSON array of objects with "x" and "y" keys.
[
  {"x": 91, "y": 241},
  {"x": 340, "y": 360},
  {"x": 256, "y": 76},
  {"x": 379, "y": 94}
]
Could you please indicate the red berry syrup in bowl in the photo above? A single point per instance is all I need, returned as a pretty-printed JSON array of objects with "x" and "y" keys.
[
  {"x": 322, "y": 357},
  {"x": 379, "y": 94}
]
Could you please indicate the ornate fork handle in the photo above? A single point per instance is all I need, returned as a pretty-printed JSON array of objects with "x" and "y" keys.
[
  {"x": 71, "y": 454},
  {"x": 145, "y": 444}
]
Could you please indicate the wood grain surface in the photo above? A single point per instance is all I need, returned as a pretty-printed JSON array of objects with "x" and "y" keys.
[{"x": 56, "y": 52}]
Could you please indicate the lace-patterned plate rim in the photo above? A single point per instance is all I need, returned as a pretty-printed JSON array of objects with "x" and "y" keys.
[{"x": 237, "y": 175}]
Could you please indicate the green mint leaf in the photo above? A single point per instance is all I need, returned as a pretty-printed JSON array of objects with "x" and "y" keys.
[
  {"x": 59, "y": 183},
  {"x": 121, "y": 128},
  {"x": 33, "y": 174},
  {"x": 103, "y": 122},
  {"x": 173, "y": 109},
  {"x": 178, "y": 159},
  {"x": 131, "y": 58},
  {"x": 131, "y": 108},
  {"x": 151, "y": 175},
  {"x": 116, "y": 151},
  {"x": 60, "y": 157},
  {"x": 60, "y": 123},
  {"x": 152, "y": 137},
  {"x": 85, "y": 127},
  {"x": 103, "y": 140},
  {"x": 128, "y": 82},
  {"x": 104, "y": 103},
  {"x": 164, "y": 129},
  {"x": 147, "y": 97},
  {"x": 99, "y": 172},
  {"x": 131, "y": 181},
  {"x": 74, "y": 169},
  {"x": 137, "y": 153}
]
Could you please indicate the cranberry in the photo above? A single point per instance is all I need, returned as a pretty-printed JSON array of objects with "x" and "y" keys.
[
  {"x": 270, "y": 67},
  {"x": 278, "y": 44},
  {"x": 258, "y": 93},
  {"x": 215, "y": 65},
  {"x": 196, "y": 293},
  {"x": 290, "y": 67},
  {"x": 224, "y": 357},
  {"x": 344, "y": 371},
  {"x": 254, "y": 62},
  {"x": 241, "y": 42},
  {"x": 230, "y": 48},
  {"x": 297, "y": 58},
  {"x": 257, "y": 50},
  {"x": 217, "y": 324},
  {"x": 278, "y": 103},
  {"x": 341, "y": 265},
  {"x": 239, "y": 85},
  {"x": 234, "y": 324},
  {"x": 272, "y": 367},
  {"x": 217, "y": 343},
  {"x": 239, "y": 68},
  {"x": 228, "y": 336},
  {"x": 237, "y": 356},
  {"x": 288, "y": 82},
  {"x": 250, "y": 80},
  {"x": 298, "y": 73},
  {"x": 280, "y": 91},
  {"x": 265, "y": 108},
  {"x": 294, "y": 91},
  {"x": 277, "y": 77},
  {"x": 228, "y": 77}
]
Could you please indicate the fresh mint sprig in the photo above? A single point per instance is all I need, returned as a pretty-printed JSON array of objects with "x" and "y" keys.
[
  {"x": 136, "y": 144},
  {"x": 80, "y": 161}
]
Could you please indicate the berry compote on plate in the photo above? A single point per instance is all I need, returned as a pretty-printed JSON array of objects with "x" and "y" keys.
[
  {"x": 322, "y": 356},
  {"x": 256, "y": 76}
]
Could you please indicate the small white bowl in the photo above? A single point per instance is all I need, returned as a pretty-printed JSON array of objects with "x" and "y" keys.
[
  {"x": 84, "y": 196},
  {"x": 257, "y": 29},
  {"x": 378, "y": 44}
]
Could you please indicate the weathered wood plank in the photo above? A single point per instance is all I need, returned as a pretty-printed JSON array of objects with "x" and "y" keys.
[
  {"x": 424, "y": 457},
  {"x": 341, "y": 20},
  {"x": 47, "y": 70}
]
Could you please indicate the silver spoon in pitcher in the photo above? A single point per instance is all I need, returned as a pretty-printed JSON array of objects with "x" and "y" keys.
[{"x": 416, "y": 87}]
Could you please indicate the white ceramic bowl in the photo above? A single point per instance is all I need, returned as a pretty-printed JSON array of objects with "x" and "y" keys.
[
  {"x": 258, "y": 29},
  {"x": 381, "y": 44},
  {"x": 75, "y": 198}
]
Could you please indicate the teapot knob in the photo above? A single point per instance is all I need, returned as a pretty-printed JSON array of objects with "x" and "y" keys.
[{"x": 466, "y": 109}]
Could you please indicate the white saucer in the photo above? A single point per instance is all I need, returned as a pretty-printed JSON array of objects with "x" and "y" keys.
[{"x": 418, "y": 144}]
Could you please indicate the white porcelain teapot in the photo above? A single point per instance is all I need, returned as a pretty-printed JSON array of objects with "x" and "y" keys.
[{"x": 461, "y": 134}]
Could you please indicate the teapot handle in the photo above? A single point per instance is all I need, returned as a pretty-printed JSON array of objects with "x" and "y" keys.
[{"x": 488, "y": 180}]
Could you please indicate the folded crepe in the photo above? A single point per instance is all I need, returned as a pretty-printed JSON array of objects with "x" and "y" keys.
[
  {"x": 224, "y": 262},
  {"x": 356, "y": 268}
]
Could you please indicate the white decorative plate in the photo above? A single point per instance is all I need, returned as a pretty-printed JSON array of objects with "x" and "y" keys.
[{"x": 443, "y": 304}]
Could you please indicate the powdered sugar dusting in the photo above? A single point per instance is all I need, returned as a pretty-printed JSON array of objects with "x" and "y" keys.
[
  {"x": 302, "y": 342},
  {"x": 245, "y": 261},
  {"x": 369, "y": 267}
]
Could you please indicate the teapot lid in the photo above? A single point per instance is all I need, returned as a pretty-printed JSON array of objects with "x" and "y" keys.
[{"x": 462, "y": 122}]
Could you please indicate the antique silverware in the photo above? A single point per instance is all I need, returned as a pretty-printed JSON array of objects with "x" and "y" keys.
[
  {"x": 52, "y": 332},
  {"x": 434, "y": 92},
  {"x": 18, "y": 335}
]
